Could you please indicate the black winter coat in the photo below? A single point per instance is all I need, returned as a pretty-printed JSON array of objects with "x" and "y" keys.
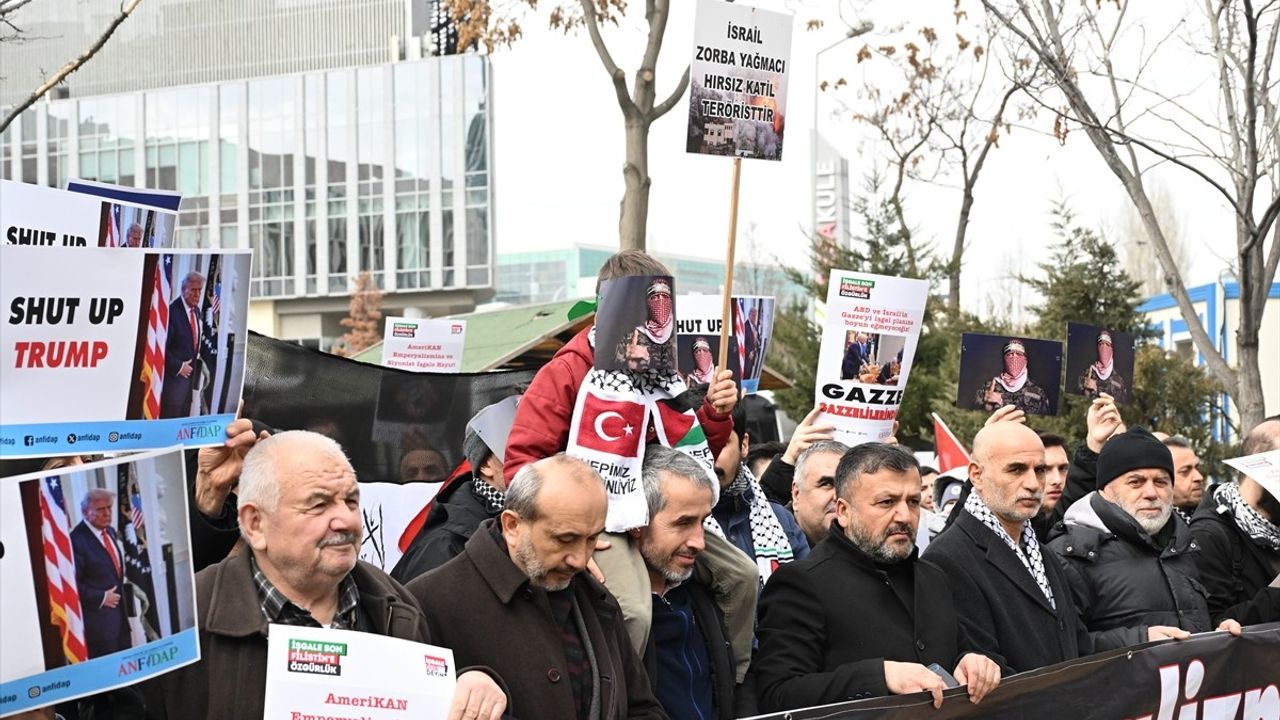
[
  {"x": 453, "y": 519},
  {"x": 1122, "y": 580},
  {"x": 827, "y": 624},
  {"x": 1235, "y": 571},
  {"x": 1000, "y": 606}
]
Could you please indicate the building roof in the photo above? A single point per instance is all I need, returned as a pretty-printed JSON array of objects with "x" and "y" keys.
[{"x": 527, "y": 337}]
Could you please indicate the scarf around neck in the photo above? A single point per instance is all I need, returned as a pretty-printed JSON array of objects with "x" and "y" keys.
[
  {"x": 1028, "y": 551},
  {"x": 611, "y": 419},
  {"x": 770, "y": 544},
  {"x": 1262, "y": 531}
]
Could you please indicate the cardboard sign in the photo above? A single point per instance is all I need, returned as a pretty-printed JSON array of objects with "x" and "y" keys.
[
  {"x": 636, "y": 324},
  {"x": 1263, "y": 467},
  {"x": 320, "y": 672},
  {"x": 869, "y": 338},
  {"x": 386, "y": 509},
  {"x": 104, "y": 350},
  {"x": 1099, "y": 361},
  {"x": 81, "y": 617},
  {"x": 996, "y": 370},
  {"x": 738, "y": 81},
  {"x": 424, "y": 345},
  {"x": 94, "y": 215},
  {"x": 136, "y": 217},
  {"x": 698, "y": 338}
]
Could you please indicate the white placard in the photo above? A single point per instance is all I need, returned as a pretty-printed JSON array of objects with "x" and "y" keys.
[
  {"x": 869, "y": 337},
  {"x": 424, "y": 345},
  {"x": 386, "y": 509},
  {"x": 319, "y": 672},
  {"x": 1264, "y": 468}
]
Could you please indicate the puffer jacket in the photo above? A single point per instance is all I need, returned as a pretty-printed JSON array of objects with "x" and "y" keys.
[
  {"x": 541, "y": 426},
  {"x": 1123, "y": 582}
]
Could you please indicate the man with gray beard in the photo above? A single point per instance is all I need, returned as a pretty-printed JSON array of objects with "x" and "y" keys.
[
  {"x": 861, "y": 616},
  {"x": 517, "y": 601},
  {"x": 1130, "y": 560}
]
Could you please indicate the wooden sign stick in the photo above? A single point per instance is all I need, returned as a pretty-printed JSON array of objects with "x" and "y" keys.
[{"x": 726, "y": 309}]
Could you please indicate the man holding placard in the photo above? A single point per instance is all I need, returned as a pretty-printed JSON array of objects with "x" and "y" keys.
[{"x": 299, "y": 513}]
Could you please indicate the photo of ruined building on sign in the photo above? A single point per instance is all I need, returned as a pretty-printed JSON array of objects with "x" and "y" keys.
[{"x": 734, "y": 124}]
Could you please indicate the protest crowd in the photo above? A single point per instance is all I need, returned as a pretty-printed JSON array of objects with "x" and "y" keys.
[{"x": 693, "y": 573}]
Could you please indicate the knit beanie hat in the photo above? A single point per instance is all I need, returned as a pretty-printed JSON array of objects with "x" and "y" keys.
[
  {"x": 1132, "y": 450},
  {"x": 475, "y": 450}
]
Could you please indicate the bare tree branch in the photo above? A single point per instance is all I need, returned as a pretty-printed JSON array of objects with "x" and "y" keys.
[
  {"x": 616, "y": 75},
  {"x": 665, "y": 106},
  {"x": 72, "y": 66}
]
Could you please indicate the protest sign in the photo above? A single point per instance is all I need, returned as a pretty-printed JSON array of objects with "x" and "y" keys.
[
  {"x": 1099, "y": 361},
  {"x": 324, "y": 673},
  {"x": 635, "y": 325},
  {"x": 107, "y": 351},
  {"x": 1263, "y": 467},
  {"x": 396, "y": 426},
  {"x": 137, "y": 217},
  {"x": 39, "y": 215},
  {"x": 424, "y": 345},
  {"x": 1210, "y": 675},
  {"x": 738, "y": 81},
  {"x": 386, "y": 510},
  {"x": 996, "y": 370},
  {"x": 84, "y": 614},
  {"x": 869, "y": 337},
  {"x": 698, "y": 338}
]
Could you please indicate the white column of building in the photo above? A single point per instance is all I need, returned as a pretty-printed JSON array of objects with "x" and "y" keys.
[
  {"x": 458, "y": 124},
  {"x": 390, "y": 261},
  {"x": 214, "y": 178},
  {"x": 140, "y": 142},
  {"x": 242, "y": 167},
  {"x": 353, "y": 172},
  {"x": 299, "y": 186},
  {"x": 434, "y": 124},
  {"x": 42, "y": 143},
  {"x": 73, "y": 140},
  {"x": 322, "y": 187}
]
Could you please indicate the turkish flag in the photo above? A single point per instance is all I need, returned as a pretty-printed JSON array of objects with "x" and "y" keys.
[
  {"x": 951, "y": 454},
  {"x": 611, "y": 426}
]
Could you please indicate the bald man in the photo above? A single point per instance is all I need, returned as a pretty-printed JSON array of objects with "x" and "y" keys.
[
  {"x": 519, "y": 602},
  {"x": 1011, "y": 593}
]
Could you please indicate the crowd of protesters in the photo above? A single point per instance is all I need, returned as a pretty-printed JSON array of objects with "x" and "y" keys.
[{"x": 787, "y": 576}]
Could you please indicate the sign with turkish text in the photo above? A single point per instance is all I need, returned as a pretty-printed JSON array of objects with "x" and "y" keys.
[
  {"x": 1263, "y": 467},
  {"x": 424, "y": 345}
]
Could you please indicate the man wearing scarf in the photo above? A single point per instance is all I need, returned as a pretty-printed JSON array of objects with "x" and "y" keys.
[
  {"x": 1101, "y": 376},
  {"x": 649, "y": 347},
  {"x": 1014, "y": 385},
  {"x": 704, "y": 369},
  {"x": 1238, "y": 530}
]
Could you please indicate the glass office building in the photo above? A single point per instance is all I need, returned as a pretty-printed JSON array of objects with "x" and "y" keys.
[{"x": 328, "y": 164}]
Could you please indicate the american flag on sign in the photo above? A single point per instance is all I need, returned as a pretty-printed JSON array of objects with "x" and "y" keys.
[
  {"x": 740, "y": 330},
  {"x": 113, "y": 227},
  {"x": 137, "y": 561},
  {"x": 157, "y": 336},
  {"x": 59, "y": 565},
  {"x": 217, "y": 297}
]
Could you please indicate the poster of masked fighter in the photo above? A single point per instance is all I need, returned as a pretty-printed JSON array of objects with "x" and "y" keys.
[
  {"x": 635, "y": 325},
  {"x": 996, "y": 370},
  {"x": 1099, "y": 361}
]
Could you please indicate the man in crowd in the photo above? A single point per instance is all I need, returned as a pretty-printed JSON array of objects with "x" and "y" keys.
[
  {"x": 299, "y": 513},
  {"x": 1057, "y": 464},
  {"x": 519, "y": 602},
  {"x": 814, "y": 651},
  {"x": 927, "y": 477},
  {"x": 423, "y": 464},
  {"x": 182, "y": 349},
  {"x": 813, "y": 492},
  {"x": 765, "y": 531},
  {"x": 1101, "y": 376},
  {"x": 99, "y": 560},
  {"x": 1013, "y": 386},
  {"x": 1238, "y": 531},
  {"x": 690, "y": 663},
  {"x": 541, "y": 429},
  {"x": 1129, "y": 559},
  {"x": 856, "y": 357},
  {"x": 1012, "y": 595},
  {"x": 459, "y": 508},
  {"x": 762, "y": 454},
  {"x": 1188, "y": 483},
  {"x": 778, "y": 476}
]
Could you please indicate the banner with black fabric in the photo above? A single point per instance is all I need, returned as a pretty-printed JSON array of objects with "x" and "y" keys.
[
  {"x": 402, "y": 430},
  {"x": 1211, "y": 676}
]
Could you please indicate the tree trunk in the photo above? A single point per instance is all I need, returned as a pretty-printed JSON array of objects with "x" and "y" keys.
[
  {"x": 634, "y": 218},
  {"x": 957, "y": 252}
]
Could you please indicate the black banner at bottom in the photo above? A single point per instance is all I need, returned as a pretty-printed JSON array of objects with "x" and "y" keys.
[{"x": 1211, "y": 676}]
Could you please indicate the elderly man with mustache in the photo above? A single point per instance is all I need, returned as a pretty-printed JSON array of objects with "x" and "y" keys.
[
  {"x": 299, "y": 514},
  {"x": 1011, "y": 593}
]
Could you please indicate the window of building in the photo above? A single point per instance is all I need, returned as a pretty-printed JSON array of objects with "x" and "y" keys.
[
  {"x": 370, "y": 158},
  {"x": 28, "y": 147},
  {"x": 338, "y": 153},
  {"x": 107, "y": 136},
  {"x": 414, "y": 157},
  {"x": 271, "y": 185},
  {"x": 58, "y": 119}
]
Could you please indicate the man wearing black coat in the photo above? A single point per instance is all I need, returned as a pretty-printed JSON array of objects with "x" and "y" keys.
[
  {"x": 1012, "y": 595},
  {"x": 182, "y": 349},
  {"x": 1238, "y": 529},
  {"x": 862, "y": 617},
  {"x": 1129, "y": 558}
]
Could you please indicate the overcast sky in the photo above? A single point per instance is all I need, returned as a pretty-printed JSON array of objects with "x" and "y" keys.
[{"x": 559, "y": 153}]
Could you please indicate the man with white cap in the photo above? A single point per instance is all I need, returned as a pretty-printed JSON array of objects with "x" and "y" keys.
[
  {"x": 1101, "y": 376},
  {"x": 462, "y": 505},
  {"x": 1014, "y": 385}
]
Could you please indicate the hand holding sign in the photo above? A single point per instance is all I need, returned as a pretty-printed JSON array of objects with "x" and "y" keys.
[{"x": 723, "y": 395}]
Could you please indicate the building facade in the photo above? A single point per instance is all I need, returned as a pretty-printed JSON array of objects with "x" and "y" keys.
[
  {"x": 567, "y": 273},
  {"x": 1218, "y": 306},
  {"x": 314, "y": 132}
]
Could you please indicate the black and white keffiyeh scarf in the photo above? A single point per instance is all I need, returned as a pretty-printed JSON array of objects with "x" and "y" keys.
[
  {"x": 493, "y": 498},
  {"x": 770, "y": 544},
  {"x": 1262, "y": 531},
  {"x": 1028, "y": 551}
]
